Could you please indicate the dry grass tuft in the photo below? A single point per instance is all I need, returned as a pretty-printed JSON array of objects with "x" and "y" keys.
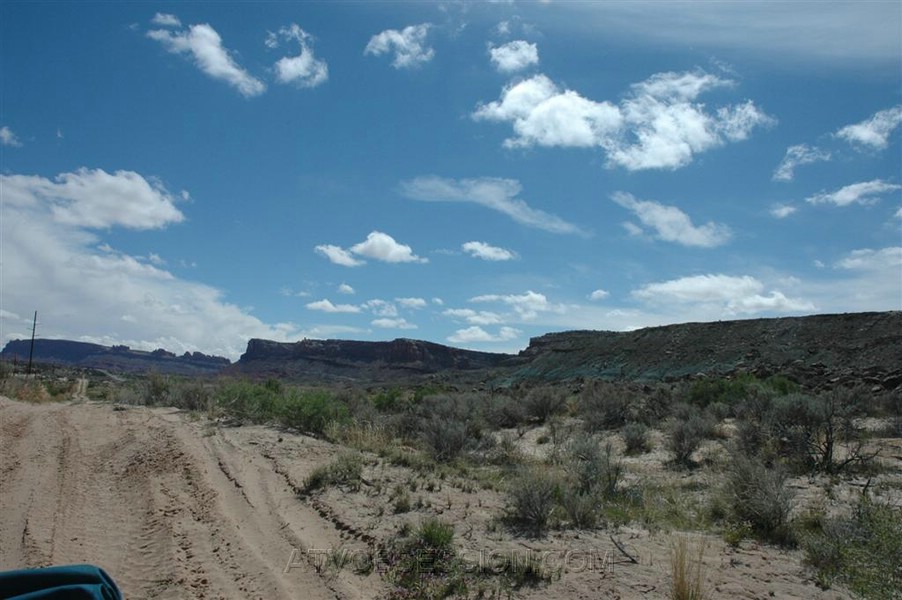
[{"x": 687, "y": 563}]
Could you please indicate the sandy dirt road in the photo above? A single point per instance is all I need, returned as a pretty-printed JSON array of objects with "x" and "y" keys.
[{"x": 171, "y": 508}]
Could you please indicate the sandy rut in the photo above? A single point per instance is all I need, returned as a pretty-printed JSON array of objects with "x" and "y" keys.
[{"x": 169, "y": 508}]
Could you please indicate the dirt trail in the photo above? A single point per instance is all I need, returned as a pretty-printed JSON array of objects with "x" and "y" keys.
[{"x": 169, "y": 507}]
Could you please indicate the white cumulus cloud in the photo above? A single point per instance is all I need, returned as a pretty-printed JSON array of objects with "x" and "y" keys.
[
  {"x": 344, "y": 288},
  {"x": 670, "y": 224},
  {"x": 866, "y": 192},
  {"x": 304, "y": 69},
  {"x": 869, "y": 260},
  {"x": 473, "y": 317},
  {"x": 873, "y": 132},
  {"x": 478, "y": 334},
  {"x": 95, "y": 199},
  {"x": 527, "y": 305},
  {"x": 487, "y": 251},
  {"x": 54, "y": 262},
  {"x": 496, "y": 194},
  {"x": 599, "y": 294},
  {"x": 381, "y": 246},
  {"x": 514, "y": 56},
  {"x": 204, "y": 45},
  {"x": 9, "y": 138},
  {"x": 800, "y": 154},
  {"x": 408, "y": 46},
  {"x": 415, "y": 303},
  {"x": 733, "y": 295},
  {"x": 657, "y": 125},
  {"x": 393, "y": 324}
]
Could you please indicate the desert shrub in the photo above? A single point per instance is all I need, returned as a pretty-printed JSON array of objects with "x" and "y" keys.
[
  {"x": 531, "y": 499},
  {"x": 309, "y": 410},
  {"x": 757, "y": 497},
  {"x": 192, "y": 395},
  {"x": 448, "y": 425},
  {"x": 684, "y": 438},
  {"x": 425, "y": 564},
  {"x": 346, "y": 470},
  {"x": 504, "y": 412},
  {"x": 506, "y": 453},
  {"x": 580, "y": 508},
  {"x": 247, "y": 401},
  {"x": 593, "y": 467},
  {"x": 687, "y": 571},
  {"x": 603, "y": 406},
  {"x": 635, "y": 438},
  {"x": 819, "y": 433},
  {"x": 862, "y": 551},
  {"x": 445, "y": 440},
  {"x": 541, "y": 403},
  {"x": 389, "y": 400},
  {"x": 157, "y": 390},
  {"x": 719, "y": 411}
]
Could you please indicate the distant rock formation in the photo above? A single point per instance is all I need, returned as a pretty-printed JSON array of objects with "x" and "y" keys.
[
  {"x": 359, "y": 361},
  {"x": 816, "y": 351},
  {"x": 113, "y": 358}
]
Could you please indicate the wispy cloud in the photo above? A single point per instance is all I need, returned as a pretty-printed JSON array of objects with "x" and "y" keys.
[
  {"x": 798, "y": 155},
  {"x": 497, "y": 194},
  {"x": 866, "y": 192},
  {"x": 658, "y": 125},
  {"x": 325, "y": 305},
  {"x": 514, "y": 56},
  {"x": 474, "y": 317},
  {"x": 527, "y": 305},
  {"x": 408, "y": 46},
  {"x": 338, "y": 255},
  {"x": 166, "y": 20},
  {"x": 304, "y": 69},
  {"x": 204, "y": 45},
  {"x": 487, "y": 251},
  {"x": 873, "y": 133},
  {"x": 781, "y": 211},
  {"x": 670, "y": 224},
  {"x": 599, "y": 294}
]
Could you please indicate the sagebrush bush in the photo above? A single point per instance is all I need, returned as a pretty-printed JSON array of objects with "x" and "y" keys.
[
  {"x": 635, "y": 438},
  {"x": 346, "y": 470},
  {"x": 593, "y": 466},
  {"x": 757, "y": 496},
  {"x": 604, "y": 406},
  {"x": 504, "y": 412},
  {"x": 541, "y": 403},
  {"x": 531, "y": 499},
  {"x": 309, "y": 410},
  {"x": 684, "y": 438}
]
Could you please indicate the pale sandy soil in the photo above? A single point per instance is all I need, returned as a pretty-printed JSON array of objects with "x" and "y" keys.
[{"x": 179, "y": 507}]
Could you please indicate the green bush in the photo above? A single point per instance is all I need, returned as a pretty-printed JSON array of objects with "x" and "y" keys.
[
  {"x": 684, "y": 438},
  {"x": 310, "y": 411},
  {"x": 593, "y": 467},
  {"x": 863, "y": 551},
  {"x": 345, "y": 470}
]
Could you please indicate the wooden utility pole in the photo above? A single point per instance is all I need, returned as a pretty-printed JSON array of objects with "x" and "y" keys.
[{"x": 34, "y": 326}]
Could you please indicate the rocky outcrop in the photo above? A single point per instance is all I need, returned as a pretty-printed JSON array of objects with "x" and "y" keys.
[
  {"x": 362, "y": 361},
  {"x": 113, "y": 358},
  {"x": 816, "y": 351}
]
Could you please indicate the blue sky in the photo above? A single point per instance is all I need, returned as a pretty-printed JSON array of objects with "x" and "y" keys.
[{"x": 190, "y": 175}]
